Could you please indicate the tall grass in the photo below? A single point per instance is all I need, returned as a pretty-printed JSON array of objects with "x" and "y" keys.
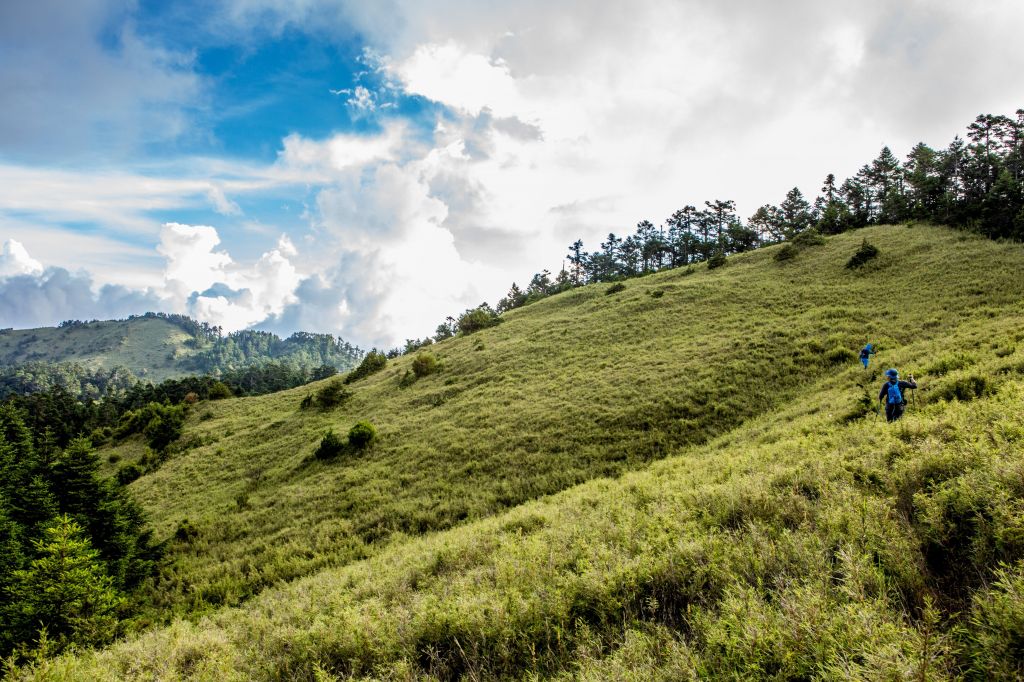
[{"x": 725, "y": 513}]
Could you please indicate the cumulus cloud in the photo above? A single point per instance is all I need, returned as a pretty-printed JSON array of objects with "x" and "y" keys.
[
  {"x": 46, "y": 298},
  {"x": 14, "y": 260},
  {"x": 217, "y": 289}
]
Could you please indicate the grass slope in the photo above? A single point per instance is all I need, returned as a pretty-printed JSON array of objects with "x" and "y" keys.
[
  {"x": 149, "y": 347},
  {"x": 783, "y": 537}
]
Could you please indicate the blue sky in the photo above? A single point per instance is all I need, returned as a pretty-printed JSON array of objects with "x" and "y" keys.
[{"x": 367, "y": 169}]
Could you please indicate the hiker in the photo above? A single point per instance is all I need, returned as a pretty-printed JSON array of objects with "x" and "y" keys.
[
  {"x": 865, "y": 354},
  {"x": 893, "y": 393}
]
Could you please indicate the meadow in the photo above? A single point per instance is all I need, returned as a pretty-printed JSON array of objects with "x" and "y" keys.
[{"x": 680, "y": 480}]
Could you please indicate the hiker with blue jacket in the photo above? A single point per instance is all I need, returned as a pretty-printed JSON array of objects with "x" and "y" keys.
[
  {"x": 865, "y": 354},
  {"x": 893, "y": 393}
]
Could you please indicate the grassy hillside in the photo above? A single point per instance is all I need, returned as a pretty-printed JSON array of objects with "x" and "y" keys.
[
  {"x": 150, "y": 347},
  {"x": 784, "y": 535}
]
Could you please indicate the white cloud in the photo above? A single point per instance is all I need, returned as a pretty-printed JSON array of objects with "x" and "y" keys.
[
  {"x": 14, "y": 260},
  {"x": 470, "y": 82},
  {"x": 217, "y": 289}
]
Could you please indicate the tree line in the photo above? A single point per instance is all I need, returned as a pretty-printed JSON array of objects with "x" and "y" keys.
[{"x": 975, "y": 184}]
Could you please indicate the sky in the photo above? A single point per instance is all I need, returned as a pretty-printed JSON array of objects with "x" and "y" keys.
[{"x": 366, "y": 169}]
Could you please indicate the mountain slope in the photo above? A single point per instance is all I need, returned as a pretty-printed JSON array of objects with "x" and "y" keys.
[
  {"x": 158, "y": 347},
  {"x": 151, "y": 347},
  {"x": 777, "y": 505}
]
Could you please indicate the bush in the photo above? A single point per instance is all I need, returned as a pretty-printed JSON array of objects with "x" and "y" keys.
[
  {"x": 374, "y": 361},
  {"x": 658, "y": 293},
  {"x": 219, "y": 390},
  {"x": 865, "y": 253},
  {"x": 330, "y": 446},
  {"x": 128, "y": 473},
  {"x": 787, "y": 252},
  {"x": 808, "y": 238},
  {"x": 307, "y": 402},
  {"x": 362, "y": 435},
  {"x": 716, "y": 261},
  {"x": 424, "y": 364},
  {"x": 840, "y": 355},
  {"x": 964, "y": 389},
  {"x": 332, "y": 395},
  {"x": 407, "y": 380},
  {"x": 615, "y": 288},
  {"x": 476, "y": 319}
]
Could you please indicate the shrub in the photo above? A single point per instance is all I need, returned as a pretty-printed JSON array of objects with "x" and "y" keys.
[
  {"x": 865, "y": 253},
  {"x": 219, "y": 390},
  {"x": 407, "y": 380},
  {"x": 330, "y": 446},
  {"x": 476, "y": 319},
  {"x": 964, "y": 389},
  {"x": 185, "y": 532},
  {"x": 658, "y": 293},
  {"x": 362, "y": 435},
  {"x": 615, "y": 288},
  {"x": 839, "y": 355},
  {"x": 332, "y": 395},
  {"x": 808, "y": 238},
  {"x": 787, "y": 252},
  {"x": 128, "y": 473},
  {"x": 424, "y": 364},
  {"x": 716, "y": 261},
  {"x": 374, "y": 361},
  {"x": 307, "y": 402}
]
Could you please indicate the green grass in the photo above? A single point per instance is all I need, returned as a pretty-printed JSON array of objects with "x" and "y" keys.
[
  {"x": 150, "y": 347},
  {"x": 627, "y": 487}
]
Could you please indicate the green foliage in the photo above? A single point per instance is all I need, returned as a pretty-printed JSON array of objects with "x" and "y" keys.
[
  {"x": 408, "y": 379},
  {"x": 996, "y": 639},
  {"x": 372, "y": 362},
  {"x": 128, "y": 473},
  {"x": 218, "y": 391},
  {"x": 618, "y": 489},
  {"x": 332, "y": 395},
  {"x": 967, "y": 387},
  {"x": 865, "y": 253},
  {"x": 65, "y": 590},
  {"x": 807, "y": 238},
  {"x": 615, "y": 288},
  {"x": 362, "y": 435},
  {"x": 478, "y": 318},
  {"x": 330, "y": 446},
  {"x": 424, "y": 364},
  {"x": 786, "y": 252},
  {"x": 840, "y": 355},
  {"x": 716, "y": 261}
]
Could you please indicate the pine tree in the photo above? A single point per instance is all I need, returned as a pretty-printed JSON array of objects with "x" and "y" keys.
[{"x": 66, "y": 589}]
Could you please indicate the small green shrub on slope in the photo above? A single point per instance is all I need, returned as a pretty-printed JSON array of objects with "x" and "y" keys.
[
  {"x": 372, "y": 362},
  {"x": 424, "y": 364},
  {"x": 865, "y": 253},
  {"x": 362, "y": 435}
]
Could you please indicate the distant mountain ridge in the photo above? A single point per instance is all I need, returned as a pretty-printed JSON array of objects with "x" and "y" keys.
[{"x": 151, "y": 347}]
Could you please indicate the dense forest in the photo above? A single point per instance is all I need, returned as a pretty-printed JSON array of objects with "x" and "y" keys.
[{"x": 74, "y": 544}]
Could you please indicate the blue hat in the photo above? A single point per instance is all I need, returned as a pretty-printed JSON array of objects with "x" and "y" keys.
[{"x": 892, "y": 374}]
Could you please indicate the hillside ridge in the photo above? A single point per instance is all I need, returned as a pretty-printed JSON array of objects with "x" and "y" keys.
[{"x": 517, "y": 516}]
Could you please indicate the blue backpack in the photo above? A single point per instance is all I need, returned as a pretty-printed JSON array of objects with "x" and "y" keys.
[{"x": 895, "y": 395}]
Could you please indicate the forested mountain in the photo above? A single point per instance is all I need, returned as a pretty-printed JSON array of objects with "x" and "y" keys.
[
  {"x": 675, "y": 477},
  {"x": 105, "y": 358}
]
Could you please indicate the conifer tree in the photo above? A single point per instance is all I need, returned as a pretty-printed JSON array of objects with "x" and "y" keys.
[{"x": 65, "y": 589}]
